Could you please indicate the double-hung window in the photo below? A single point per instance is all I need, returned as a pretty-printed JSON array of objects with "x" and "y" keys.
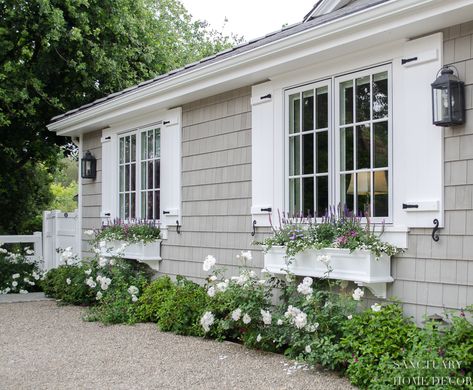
[
  {"x": 139, "y": 174},
  {"x": 339, "y": 145}
]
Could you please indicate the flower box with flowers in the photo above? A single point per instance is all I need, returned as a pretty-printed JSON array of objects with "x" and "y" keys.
[
  {"x": 136, "y": 241},
  {"x": 336, "y": 248},
  {"x": 357, "y": 266},
  {"x": 148, "y": 253}
]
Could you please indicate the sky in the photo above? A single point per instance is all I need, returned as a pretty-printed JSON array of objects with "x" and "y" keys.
[{"x": 250, "y": 18}]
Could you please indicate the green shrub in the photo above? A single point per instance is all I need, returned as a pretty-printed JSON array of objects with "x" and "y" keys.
[
  {"x": 153, "y": 296},
  {"x": 18, "y": 273},
  {"x": 181, "y": 310},
  {"x": 67, "y": 284},
  {"x": 371, "y": 339}
]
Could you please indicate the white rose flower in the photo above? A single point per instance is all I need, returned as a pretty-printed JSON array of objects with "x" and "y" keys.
[
  {"x": 23, "y": 292},
  {"x": 211, "y": 291},
  {"x": 280, "y": 322},
  {"x": 308, "y": 349},
  {"x": 112, "y": 261},
  {"x": 236, "y": 314},
  {"x": 307, "y": 281},
  {"x": 350, "y": 317},
  {"x": 258, "y": 338},
  {"x": 267, "y": 317},
  {"x": 35, "y": 276},
  {"x": 304, "y": 289},
  {"x": 207, "y": 321},
  {"x": 68, "y": 281},
  {"x": 246, "y": 319},
  {"x": 133, "y": 290},
  {"x": 209, "y": 262},
  {"x": 312, "y": 327},
  {"x": 134, "y": 298},
  {"x": 300, "y": 320},
  {"x": 99, "y": 296},
  {"x": 15, "y": 276},
  {"x": 88, "y": 272},
  {"x": 222, "y": 286},
  {"x": 325, "y": 259},
  {"x": 103, "y": 262},
  {"x": 376, "y": 307},
  {"x": 30, "y": 252},
  {"x": 14, "y": 284},
  {"x": 358, "y": 294},
  {"x": 213, "y": 278}
]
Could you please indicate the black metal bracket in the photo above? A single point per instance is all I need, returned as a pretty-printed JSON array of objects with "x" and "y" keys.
[
  {"x": 267, "y": 209},
  {"x": 66, "y": 215},
  {"x": 178, "y": 227},
  {"x": 406, "y": 60},
  {"x": 253, "y": 233},
  {"x": 268, "y": 96},
  {"x": 410, "y": 206},
  {"x": 435, "y": 235},
  {"x": 166, "y": 122},
  {"x": 166, "y": 212}
]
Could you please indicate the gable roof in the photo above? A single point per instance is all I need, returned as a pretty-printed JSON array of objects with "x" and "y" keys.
[{"x": 312, "y": 22}]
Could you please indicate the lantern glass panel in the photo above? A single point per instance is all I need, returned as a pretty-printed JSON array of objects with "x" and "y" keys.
[{"x": 441, "y": 104}]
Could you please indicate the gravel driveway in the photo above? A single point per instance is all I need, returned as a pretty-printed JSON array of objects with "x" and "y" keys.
[{"x": 44, "y": 346}]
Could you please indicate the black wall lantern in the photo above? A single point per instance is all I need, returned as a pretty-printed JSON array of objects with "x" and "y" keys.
[
  {"x": 88, "y": 166},
  {"x": 448, "y": 99}
]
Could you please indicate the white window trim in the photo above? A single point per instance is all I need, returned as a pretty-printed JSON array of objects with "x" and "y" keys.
[
  {"x": 428, "y": 49},
  {"x": 336, "y": 144},
  {"x": 333, "y": 83},
  {"x": 170, "y": 180},
  {"x": 138, "y": 190},
  {"x": 289, "y": 91}
]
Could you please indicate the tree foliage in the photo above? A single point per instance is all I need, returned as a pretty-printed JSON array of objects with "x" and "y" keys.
[{"x": 56, "y": 55}]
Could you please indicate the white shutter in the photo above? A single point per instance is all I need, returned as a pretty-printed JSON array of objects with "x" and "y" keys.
[
  {"x": 417, "y": 144},
  {"x": 262, "y": 152},
  {"x": 171, "y": 167},
  {"x": 109, "y": 173}
]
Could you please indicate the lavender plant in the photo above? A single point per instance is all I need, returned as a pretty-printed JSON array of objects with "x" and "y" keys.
[{"x": 337, "y": 229}]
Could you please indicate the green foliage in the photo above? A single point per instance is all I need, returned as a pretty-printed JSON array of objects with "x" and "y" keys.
[
  {"x": 24, "y": 193},
  {"x": 56, "y": 55},
  {"x": 181, "y": 310},
  {"x": 64, "y": 197},
  {"x": 152, "y": 298},
  {"x": 116, "y": 305},
  {"x": 18, "y": 273},
  {"x": 345, "y": 232},
  {"x": 374, "y": 338},
  {"x": 77, "y": 292},
  {"x": 135, "y": 232},
  {"x": 245, "y": 294}
]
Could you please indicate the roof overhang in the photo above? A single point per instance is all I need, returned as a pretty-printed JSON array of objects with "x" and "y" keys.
[{"x": 385, "y": 22}]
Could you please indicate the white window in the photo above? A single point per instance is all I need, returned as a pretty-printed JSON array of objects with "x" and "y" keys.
[
  {"x": 308, "y": 138},
  {"x": 342, "y": 161},
  {"x": 139, "y": 174}
]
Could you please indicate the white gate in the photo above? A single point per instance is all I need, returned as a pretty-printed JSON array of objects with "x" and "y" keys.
[{"x": 60, "y": 230}]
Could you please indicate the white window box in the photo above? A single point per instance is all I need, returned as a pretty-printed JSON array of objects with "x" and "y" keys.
[
  {"x": 360, "y": 266},
  {"x": 149, "y": 253}
]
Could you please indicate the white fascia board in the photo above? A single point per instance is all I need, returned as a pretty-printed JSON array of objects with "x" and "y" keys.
[{"x": 247, "y": 67}]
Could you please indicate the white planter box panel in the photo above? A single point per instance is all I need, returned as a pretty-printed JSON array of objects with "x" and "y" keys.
[
  {"x": 149, "y": 253},
  {"x": 360, "y": 266}
]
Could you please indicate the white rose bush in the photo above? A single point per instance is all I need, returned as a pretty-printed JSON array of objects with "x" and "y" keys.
[
  {"x": 19, "y": 271},
  {"x": 315, "y": 321}
]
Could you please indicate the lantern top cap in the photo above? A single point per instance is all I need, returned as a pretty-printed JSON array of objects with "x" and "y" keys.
[
  {"x": 447, "y": 75},
  {"x": 88, "y": 154}
]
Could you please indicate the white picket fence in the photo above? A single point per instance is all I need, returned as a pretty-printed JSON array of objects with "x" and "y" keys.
[
  {"x": 60, "y": 230},
  {"x": 34, "y": 240}
]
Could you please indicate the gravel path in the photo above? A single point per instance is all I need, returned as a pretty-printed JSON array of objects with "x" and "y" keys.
[{"x": 44, "y": 346}]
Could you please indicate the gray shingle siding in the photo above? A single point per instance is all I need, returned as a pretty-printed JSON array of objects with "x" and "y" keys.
[
  {"x": 91, "y": 190},
  {"x": 216, "y": 186},
  {"x": 433, "y": 276}
]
